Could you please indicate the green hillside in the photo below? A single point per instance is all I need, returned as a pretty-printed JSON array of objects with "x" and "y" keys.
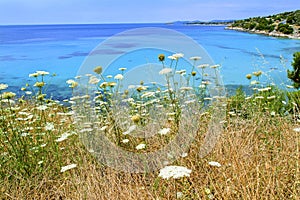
[{"x": 283, "y": 23}]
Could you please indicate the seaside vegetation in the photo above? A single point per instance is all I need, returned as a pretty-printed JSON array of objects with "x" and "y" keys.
[
  {"x": 285, "y": 23},
  {"x": 42, "y": 155}
]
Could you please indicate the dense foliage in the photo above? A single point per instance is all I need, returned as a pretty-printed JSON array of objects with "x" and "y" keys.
[
  {"x": 283, "y": 22},
  {"x": 294, "y": 75}
]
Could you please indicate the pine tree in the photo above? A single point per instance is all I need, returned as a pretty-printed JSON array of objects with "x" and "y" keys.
[{"x": 294, "y": 75}]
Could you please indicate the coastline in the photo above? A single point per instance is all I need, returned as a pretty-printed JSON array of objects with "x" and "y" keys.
[{"x": 272, "y": 34}]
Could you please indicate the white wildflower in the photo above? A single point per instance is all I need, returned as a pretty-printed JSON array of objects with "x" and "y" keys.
[
  {"x": 183, "y": 155},
  {"x": 165, "y": 71},
  {"x": 179, "y": 195},
  {"x": 214, "y": 66},
  {"x": 131, "y": 128},
  {"x": 122, "y": 68},
  {"x": 174, "y": 172},
  {"x": 49, "y": 126},
  {"x": 164, "y": 131},
  {"x": 68, "y": 167},
  {"x": 93, "y": 80},
  {"x": 259, "y": 97},
  {"x": 203, "y": 66},
  {"x": 42, "y": 73},
  {"x": 271, "y": 97},
  {"x": 178, "y": 55},
  {"x": 118, "y": 77},
  {"x": 195, "y": 58},
  {"x": 141, "y": 146},
  {"x": 3, "y": 86},
  {"x": 254, "y": 82},
  {"x": 42, "y": 107},
  {"x": 215, "y": 164},
  {"x": 63, "y": 137},
  {"x": 125, "y": 141},
  {"x": 264, "y": 89},
  {"x": 296, "y": 129}
]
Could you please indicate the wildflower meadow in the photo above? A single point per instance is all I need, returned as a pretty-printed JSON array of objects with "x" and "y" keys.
[{"x": 105, "y": 141}]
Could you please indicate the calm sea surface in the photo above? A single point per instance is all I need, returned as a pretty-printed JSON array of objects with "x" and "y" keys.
[{"x": 61, "y": 49}]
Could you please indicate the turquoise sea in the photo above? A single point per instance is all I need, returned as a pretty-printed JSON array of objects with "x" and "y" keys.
[{"x": 62, "y": 49}]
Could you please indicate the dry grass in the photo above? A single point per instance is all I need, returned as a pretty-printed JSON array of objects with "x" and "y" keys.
[{"x": 259, "y": 157}]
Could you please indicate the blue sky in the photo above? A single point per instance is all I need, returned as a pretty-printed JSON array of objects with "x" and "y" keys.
[{"x": 127, "y": 11}]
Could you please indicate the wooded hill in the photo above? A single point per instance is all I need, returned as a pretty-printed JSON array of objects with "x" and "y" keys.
[{"x": 285, "y": 23}]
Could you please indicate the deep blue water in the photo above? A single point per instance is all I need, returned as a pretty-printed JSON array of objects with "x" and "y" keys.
[{"x": 62, "y": 49}]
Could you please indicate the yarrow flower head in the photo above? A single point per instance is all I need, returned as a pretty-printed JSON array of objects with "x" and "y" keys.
[
  {"x": 165, "y": 71},
  {"x": 214, "y": 164},
  {"x": 42, "y": 73},
  {"x": 68, "y": 167},
  {"x": 141, "y": 146},
  {"x": 195, "y": 58},
  {"x": 72, "y": 83},
  {"x": 119, "y": 77},
  {"x": 164, "y": 131},
  {"x": 93, "y": 80},
  {"x": 3, "y": 86},
  {"x": 174, "y": 172},
  {"x": 49, "y": 126},
  {"x": 8, "y": 95}
]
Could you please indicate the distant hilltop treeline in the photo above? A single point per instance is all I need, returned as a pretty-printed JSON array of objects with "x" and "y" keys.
[{"x": 285, "y": 24}]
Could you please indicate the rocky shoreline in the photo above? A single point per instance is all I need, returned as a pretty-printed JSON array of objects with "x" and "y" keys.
[{"x": 272, "y": 34}]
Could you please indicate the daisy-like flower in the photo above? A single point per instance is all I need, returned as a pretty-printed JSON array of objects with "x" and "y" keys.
[
  {"x": 3, "y": 86},
  {"x": 164, "y": 131},
  {"x": 49, "y": 126},
  {"x": 68, "y": 167},
  {"x": 165, "y": 71},
  {"x": 186, "y": 88},
  {"x": 93, "y": 80},
  {"x": 119, "y": 77},
  {"x": 34, "y": 75},
  {"x": 42, "y": 73},
  {"x": 125, "y": 141},
  {"x": 271, "y": 97},
  {"x": 202, "y": 66},
  {"x": 214, "y": 164},
  {"x": 264, "y": 89},
  {"x": 72, "y": 83},
  {"x": 141, "y": 146},
  {"x": 254, "y": 82},
  {"x": 42, "y": 107},
  {"x": 296, "y": 129},
  {"x": 195, "y": 58},
  {"x": 259, "y": 97},
  {"x": 174, "y": 172},
  {"x": 122, "y": 68},
  {"x": 214, "y": 66},
  {"x": 8, "y": 95},
  {"x": 178, "y": 55},
  {"x": 63, "y": 137},
  {"x": 171, "y": 57},
  {"x": 131, "y": 128}
]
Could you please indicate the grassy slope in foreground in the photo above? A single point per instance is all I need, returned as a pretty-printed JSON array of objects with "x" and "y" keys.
[{"x": 285, "y": 24}]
